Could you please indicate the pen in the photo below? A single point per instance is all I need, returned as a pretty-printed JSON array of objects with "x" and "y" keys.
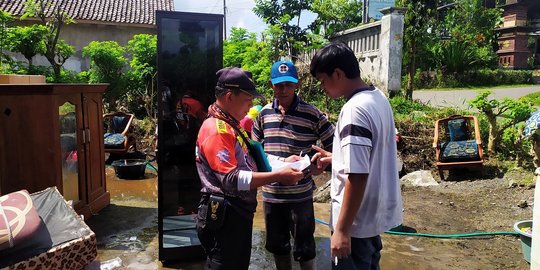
[{"x": 301, "y": 152}]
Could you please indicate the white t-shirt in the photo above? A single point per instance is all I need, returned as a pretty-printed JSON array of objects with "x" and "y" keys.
[{"x": 364, "y": 142}]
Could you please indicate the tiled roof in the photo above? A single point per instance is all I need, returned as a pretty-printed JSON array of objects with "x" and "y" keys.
[{"x": 108, "y": 11}]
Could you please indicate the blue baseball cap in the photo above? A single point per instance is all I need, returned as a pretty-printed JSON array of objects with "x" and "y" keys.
[{"x": 283, "y": 71}]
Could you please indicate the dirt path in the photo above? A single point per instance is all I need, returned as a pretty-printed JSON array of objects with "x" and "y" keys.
[{"x": 487, "y": 205}]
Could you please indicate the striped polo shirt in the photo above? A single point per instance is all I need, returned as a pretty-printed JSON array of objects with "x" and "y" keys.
[{"x": 287, "y": 134}]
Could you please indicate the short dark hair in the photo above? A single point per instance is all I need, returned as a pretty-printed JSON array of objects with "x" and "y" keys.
[
  {"x": 220, "y": 91},
  {"x": 332, "y": 56}
]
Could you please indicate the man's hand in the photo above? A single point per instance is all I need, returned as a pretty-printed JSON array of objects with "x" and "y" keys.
[
  {"x": 292, "y": 158},
  {"x": 322, "y": 158},
  {"x": 289, "y": 176},
  {"x": 340, "y": 245}
]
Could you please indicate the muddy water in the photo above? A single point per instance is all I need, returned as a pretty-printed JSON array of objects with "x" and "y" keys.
[{"x": 127, "y": 233}]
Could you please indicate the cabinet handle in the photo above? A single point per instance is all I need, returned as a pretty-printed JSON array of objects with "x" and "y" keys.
[
  {"x": 88, "y": 134},
  {"x": 84, "y": 136}
]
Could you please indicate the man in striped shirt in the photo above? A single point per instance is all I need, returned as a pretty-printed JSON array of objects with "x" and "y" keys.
[{"x": 289, "y": 126}]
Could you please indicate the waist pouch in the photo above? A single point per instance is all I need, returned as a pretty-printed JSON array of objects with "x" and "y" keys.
[{"x": 215, "y": 211}]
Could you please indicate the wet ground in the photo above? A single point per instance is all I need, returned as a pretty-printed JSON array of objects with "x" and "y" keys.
[
  {"x": 126, "y": 230},
  {"x": 127, "y": 238}
]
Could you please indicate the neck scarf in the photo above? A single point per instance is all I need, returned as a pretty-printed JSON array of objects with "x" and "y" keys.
[{"x": 217, "y": 112}]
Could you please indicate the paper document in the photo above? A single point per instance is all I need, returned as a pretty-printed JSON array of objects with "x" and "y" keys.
[{"x": 299, "y": 165}]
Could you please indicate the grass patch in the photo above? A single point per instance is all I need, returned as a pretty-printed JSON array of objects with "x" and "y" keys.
[{"x": 533, "y": 98}]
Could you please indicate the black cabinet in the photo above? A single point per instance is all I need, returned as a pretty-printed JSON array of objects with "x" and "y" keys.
[{"x": 190, "y": 51}]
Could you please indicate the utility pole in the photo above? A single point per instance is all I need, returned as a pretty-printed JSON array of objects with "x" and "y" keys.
[
  {"x": 225, "y": 19},
  {"x": 365, "y": 11}
]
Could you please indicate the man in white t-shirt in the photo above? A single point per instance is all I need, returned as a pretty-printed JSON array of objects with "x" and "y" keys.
[{"x": 365, "y": 190}]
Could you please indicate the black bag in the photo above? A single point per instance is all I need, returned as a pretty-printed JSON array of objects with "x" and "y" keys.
[{"x": 215, "y": 212}]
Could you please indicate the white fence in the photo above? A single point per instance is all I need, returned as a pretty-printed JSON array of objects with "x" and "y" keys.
[{"x": 378, "y": 47}]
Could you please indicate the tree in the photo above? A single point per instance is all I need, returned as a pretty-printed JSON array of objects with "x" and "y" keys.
[
  {"x": 234, "y": 48},
  {"x": 280, "y": 15},
  {"x": 107, "y": 61},
  {"x": 28, "y": 40},
  {"x": 5, "y": 20},
  {"x": 501, "y": 115},
  {"x": 418, "y": 19},
  {"x": 471, "y": 37},
  {"x": 335, "y": 15},
  {"x": 57, "y": 51},
  {"x": 142, "y": 75},
  {"x": 243, "y": 50}
]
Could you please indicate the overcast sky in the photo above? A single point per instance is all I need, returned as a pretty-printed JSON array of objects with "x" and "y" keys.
[{"x": 239, "y": 12}]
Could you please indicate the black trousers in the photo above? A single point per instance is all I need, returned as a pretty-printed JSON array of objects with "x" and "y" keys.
[
  {"x": 229, "y": 247},
  {"x": 366, "y": 254},
  {"x": 284, "y": 220}
]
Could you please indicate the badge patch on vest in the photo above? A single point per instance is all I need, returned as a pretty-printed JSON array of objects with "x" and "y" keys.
[{"x": 224, "y": 156}]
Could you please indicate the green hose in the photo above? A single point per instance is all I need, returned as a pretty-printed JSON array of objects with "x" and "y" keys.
[
  {"x": 475, "y": 234},
  {"x": 149, "y": 165}
]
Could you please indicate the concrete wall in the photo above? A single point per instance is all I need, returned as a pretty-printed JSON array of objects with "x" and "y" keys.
[
  {"x": 378, "y": 46},
  {"x": 81, "y": 34}
]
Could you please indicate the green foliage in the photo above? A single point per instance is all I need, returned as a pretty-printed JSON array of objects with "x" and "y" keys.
[
  {"x": 401, "y": 105},
  {"x": 280, "y": 15},
  {"x": 335, "y": 15},
  {"x": 142, "y": 93},
  {"x": 451, "y": 41},
  {"x": 454, "y": 56},
  {"x": 470, "y": 78},
  {"x": 57, "y": 51},
  {"x": 419, "y": 17},
  {"x": 242, "y": 50},
  {"x": 533, "y": 98},
  {"x": 107, "y": 61},
  {"x": 28, "y": 40},
  {"x": 501, "y": 115},
  {"x": 5, "y": 21},
  {"x": 471, "y": 29}
]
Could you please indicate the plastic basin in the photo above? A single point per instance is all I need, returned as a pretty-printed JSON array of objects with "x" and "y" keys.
[
  {"x": 129, "y": 168},
  {"x": 525, "y": 238}
]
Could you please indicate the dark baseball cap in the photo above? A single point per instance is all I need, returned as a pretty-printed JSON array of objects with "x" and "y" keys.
[
  {"x": 236, "y": 78},
  {"x": 283, "y": 71}
]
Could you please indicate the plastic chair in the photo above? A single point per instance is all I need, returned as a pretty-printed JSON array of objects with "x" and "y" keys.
[
  {"x": 118, "y": 137},
  {"x": 457, "y": 143}
]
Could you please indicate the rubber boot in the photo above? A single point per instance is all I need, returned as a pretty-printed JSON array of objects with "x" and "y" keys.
[
  {"x": 283, "y": 262},
  {"x": 308, "y": 265}
]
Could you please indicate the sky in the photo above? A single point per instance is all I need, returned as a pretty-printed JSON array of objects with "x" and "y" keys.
[{"x": 239, "y": 13}]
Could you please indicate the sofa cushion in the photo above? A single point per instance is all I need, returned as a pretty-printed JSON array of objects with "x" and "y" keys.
[
  {"x": 23, "y": 233},
  {"x": 114, "y": 140},
  {"x": 459, "y": 151}
]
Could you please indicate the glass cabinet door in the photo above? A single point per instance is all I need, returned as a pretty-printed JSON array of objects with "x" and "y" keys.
[
  {"x": 189, "y": 54},
  {"x": 69, "y": 122}
]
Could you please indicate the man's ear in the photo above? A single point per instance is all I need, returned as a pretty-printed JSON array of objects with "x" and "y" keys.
[
  {"x": 340, "y": 74},
  {"x": 270, "y": 84},
  {"x": 228, "y": 96}
]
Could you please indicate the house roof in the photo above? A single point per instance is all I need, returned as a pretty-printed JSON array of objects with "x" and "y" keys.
[{"x": 104, "y": 11}]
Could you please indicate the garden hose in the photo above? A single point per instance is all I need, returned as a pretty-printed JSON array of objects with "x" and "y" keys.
[
  {"x": 475, "y": 234},
  {"x": 149, "y": 165}
]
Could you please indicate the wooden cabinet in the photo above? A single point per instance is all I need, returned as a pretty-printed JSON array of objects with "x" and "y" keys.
[{"x": 52, "y": 135}]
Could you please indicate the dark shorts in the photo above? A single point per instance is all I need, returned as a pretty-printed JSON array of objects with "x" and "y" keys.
[
  {"x": 229, "y": 247},
  {"x": 366, "y": 254},
  {"x": 284, "y": 220}
]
